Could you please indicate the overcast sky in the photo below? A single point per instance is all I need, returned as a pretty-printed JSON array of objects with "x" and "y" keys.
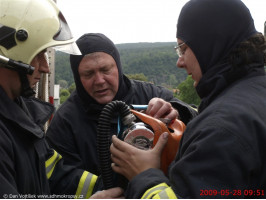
[{"x": 132, "y": 21}]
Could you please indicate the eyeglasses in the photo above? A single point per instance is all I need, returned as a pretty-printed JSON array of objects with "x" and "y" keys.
[{"x": 179, "y": 51}]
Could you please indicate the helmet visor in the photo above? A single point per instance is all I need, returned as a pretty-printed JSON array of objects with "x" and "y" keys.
[
  {"x": 71, "y": 48},
  {"x": 64, "y": 32}
]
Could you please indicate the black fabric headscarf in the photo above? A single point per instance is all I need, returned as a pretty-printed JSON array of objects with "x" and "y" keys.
[
  {"x": 90, "y": 43},
  {"x": 212, "y": 28}
]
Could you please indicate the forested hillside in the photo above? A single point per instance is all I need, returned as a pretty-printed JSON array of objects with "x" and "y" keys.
[{"x": 157, "y": 61}]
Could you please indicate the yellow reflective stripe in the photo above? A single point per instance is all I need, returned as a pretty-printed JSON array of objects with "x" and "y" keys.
[
  {"x": 50, "y": 164},
  {"x": 154, "y": 190},
  {"x": 168, "y": 193},
  {"x": 86, "y": 185},
  {"x": 196, "y": 109}
]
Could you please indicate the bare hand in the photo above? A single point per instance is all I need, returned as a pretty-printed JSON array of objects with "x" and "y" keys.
[
  {"x": 130, "y": 161},
  {"x": 158, "y": 108},
  {"x": 113, "y": 193}
]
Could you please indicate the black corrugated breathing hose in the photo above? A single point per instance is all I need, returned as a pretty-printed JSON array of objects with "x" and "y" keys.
[{"x": 104, "y": 138}]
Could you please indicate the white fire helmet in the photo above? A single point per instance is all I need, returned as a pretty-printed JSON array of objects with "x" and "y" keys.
[{"x": 28, "y": 27}]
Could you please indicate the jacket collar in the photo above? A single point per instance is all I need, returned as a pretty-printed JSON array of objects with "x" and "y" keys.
[
  {"x": 223, "y": 76},
  {"x": 29, "y": 114}
]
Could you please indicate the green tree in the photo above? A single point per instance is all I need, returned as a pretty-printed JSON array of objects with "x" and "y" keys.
[
  {"x": 63, "y": 69},
  {"x": 172, "y": 80},
  {"x": 63, "y": 84},
  {"x": 72, "y": 87},
  {"x": 64, "y": 94},
  {"x": 140, "y": 77},
  {"x": 187, "y": 92}
]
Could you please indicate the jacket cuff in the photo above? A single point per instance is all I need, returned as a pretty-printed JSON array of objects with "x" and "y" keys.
[{"x": 144, "y": 181}]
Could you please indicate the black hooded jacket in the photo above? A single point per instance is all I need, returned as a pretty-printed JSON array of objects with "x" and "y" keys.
[
  {"x": 73, "y": 130},
  {"x": 222, "y": 152},
  {"x": 29, "y": 168}
]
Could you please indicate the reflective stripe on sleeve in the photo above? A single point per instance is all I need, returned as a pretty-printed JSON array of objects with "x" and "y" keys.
[
  {"x": 168, "y": 193},
  {"x": 154, "y": 190},
  {"x": 194, "y": 108},
  {"x": 86, "y": 185},
  {"x": 50, "y": 164}
]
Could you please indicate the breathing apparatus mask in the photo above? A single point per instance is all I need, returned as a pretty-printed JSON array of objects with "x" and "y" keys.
[
  {"x": 137, "y": 129},
  {"x": 28, "y": 27}
]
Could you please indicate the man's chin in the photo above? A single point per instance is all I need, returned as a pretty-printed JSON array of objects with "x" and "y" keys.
[{"x": 103, "y": 100}]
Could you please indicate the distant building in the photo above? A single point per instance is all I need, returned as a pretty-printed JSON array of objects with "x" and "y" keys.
[{"x": 56, "y": 96}]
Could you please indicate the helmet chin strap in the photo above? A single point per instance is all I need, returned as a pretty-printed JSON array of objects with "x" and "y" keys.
[
  {"x": 22, "y": 69},
  {"x": 26, "y": 90}
]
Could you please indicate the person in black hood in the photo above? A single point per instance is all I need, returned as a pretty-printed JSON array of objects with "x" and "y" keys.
[
  {"x": 99, "y": 80},
  {"x": 91, "y": 43},
  {"x": 222, "y": 152}
]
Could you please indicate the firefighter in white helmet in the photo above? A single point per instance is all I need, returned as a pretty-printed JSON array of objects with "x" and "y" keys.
[{"x": 28, "y": 167}]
